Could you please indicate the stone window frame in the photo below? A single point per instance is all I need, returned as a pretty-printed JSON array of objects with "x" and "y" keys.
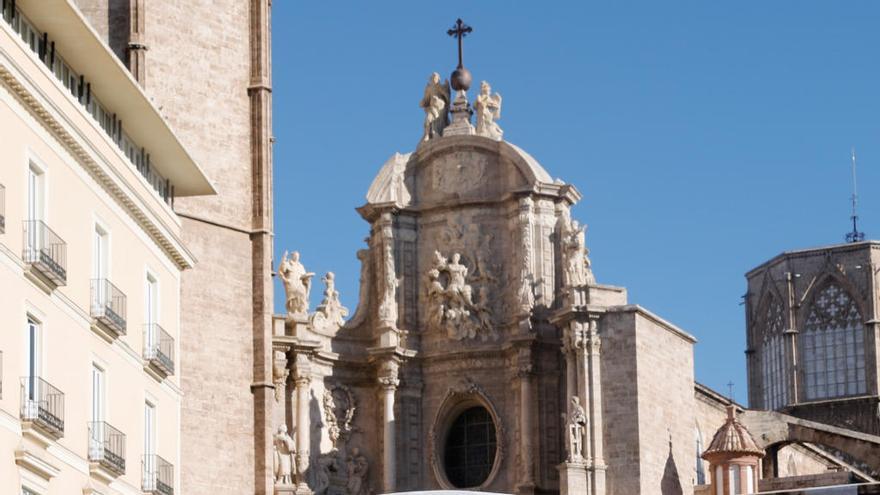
[
  {"x": 773, "y": 370},
  {"x": 857, "y": 345},
  {"x": 454, "y": 404}
]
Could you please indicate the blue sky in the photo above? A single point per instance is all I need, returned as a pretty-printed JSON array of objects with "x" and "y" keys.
[{"x": 706, "y": 137}]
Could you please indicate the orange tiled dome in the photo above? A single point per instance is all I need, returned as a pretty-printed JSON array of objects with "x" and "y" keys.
[{"x": 733, "y": 438}]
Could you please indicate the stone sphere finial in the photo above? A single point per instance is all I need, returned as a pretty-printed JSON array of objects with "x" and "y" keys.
[{"x": 461, "y": 79}]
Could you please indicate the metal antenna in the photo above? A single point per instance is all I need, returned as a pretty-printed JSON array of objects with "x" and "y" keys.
[{"x": 855, "y": 235}]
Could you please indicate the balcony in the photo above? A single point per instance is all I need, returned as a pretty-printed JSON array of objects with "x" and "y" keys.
[
  {"x": 159, "y": 349},
  {"x": 158, "y": 475},
  {"x": 45, "y": 252},
  {"x": 42, "y": 405},
  {"x": 107, "y": 447},
  {"x": 108, "y": 306}
]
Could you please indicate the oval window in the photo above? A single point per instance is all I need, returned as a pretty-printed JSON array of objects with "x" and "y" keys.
[{"x": 469, "y": 453}]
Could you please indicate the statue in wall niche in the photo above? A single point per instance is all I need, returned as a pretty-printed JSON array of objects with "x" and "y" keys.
[
  {"x": 297, "y": 283},
  {"x": 577, "y": 423},
  {"x": 488, "y": 108},
  {"x": 284, "y": 451},
  {"x": 451, "y": 307},
  {"x": 435, "y": 102},
  {"x": 388, "y": 306},
  {"x": 357, "y": 473},
  {"x": 330, "y": 313},
  {"x": 326, "y": 465}
]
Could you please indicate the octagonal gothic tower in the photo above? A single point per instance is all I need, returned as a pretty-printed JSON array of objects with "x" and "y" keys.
[{"x": 483, "y": 353}]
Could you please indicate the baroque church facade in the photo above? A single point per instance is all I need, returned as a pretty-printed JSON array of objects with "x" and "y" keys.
[{"x": 483, "y": 354}]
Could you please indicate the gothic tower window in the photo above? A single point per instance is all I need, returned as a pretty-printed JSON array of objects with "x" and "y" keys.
[
  {"x": 832, "y": 346},
  {"x": 773, "y": 373}
]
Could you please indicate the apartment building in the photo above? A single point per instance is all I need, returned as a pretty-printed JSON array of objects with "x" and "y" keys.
[{"x": 91, "y": 259}]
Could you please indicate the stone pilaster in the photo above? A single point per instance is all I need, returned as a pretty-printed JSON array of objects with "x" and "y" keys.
[
  {"x": 388, "y": 383},
  {"x": 525, "y": 377},
  {"x": 595, "y": 424},
  {"x": 137, "y": 47}
]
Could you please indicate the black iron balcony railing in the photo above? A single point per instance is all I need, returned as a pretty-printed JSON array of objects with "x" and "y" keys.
[
  {"x": 159, "y": 348},
  {"x": 43, "y": 405},
  {"x": 158, "y": 475},
  {"x": 107, "y": 446},
  {"x": 108, "y": 305},
  {"x": 2, "y": 209},
  {"x": 45, "y": 251}
]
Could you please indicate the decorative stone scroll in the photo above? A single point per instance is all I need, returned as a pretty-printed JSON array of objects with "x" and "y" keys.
[
  {"x": 339, "y": 409},
  {"x": 452, "y": 307}
]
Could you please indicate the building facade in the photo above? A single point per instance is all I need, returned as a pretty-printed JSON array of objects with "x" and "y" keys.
[
  {"x": 92, "y": 261},
  {"x": 207, "y": 65},
  {"x": 483, "y": 354},
  {"x": 812, "y": 334}
]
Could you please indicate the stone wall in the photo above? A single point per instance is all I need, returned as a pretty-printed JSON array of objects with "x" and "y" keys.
[
  {"x": 648, "y": 404},
  {"x": 198, "y": 73}
]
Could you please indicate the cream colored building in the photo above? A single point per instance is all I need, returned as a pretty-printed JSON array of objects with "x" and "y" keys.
[{"x": 90, "y": 264}]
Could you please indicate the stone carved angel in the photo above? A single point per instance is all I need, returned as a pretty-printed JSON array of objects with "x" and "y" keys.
[
  {"x": 297, "y": 283},
  {"x": 577, "y": 423},
  {"x": 284, "y": 451},
  {"x": 435, "y": 102},
  {"x": 488, "y": 108}
]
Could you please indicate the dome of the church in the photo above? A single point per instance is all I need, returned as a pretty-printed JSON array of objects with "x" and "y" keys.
[{"x": 732, "y": 438}]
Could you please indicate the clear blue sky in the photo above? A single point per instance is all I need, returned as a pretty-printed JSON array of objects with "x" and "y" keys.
[{"x": 706, "y": 137}]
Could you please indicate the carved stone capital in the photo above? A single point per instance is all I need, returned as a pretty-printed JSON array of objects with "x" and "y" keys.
[
  {"x": 302, "y": 380},
  {"x": 525, "y": 370},
  {"x": 388, "y": 382}
]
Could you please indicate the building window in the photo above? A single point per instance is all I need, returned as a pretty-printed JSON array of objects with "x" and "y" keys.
[
  {"x": 701, "y": 472},
  {"x": 470, "y": 448},
  {"x": 32, "y": 361},
  {"x": 773, "y": 373},
  {"x": 833, "y": 346}
]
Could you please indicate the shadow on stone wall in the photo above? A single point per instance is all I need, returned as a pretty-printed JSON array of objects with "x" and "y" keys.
[{"x": 670, "y": 484}]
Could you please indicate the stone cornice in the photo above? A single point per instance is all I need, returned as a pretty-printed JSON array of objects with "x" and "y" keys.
[{"x": 97, "y": 166}]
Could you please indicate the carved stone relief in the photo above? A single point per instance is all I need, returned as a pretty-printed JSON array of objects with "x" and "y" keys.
[
  {"x": 451, "y": 303},
  {"x": 280, "y": 372},
  {"x": 459, "y": 172},
  {"x": 339, "y": 409}
]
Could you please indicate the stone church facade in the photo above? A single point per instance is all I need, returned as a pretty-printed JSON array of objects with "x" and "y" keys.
[{"x": 483, "y": 354}]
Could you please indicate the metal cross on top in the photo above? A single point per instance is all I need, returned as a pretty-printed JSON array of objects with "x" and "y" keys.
[{"x": 460, "y": 30}]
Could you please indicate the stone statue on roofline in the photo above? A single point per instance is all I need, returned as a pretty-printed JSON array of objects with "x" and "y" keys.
[
  {"x": 488, "y": 109},
  {"x": 435, "y": 102},
  {"x": 297, "y": 283}
]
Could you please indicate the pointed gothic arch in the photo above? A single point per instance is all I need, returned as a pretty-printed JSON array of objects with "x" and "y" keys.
[
  {"x": 770, "y": 337},
  {"x": 831, "y": 340}
]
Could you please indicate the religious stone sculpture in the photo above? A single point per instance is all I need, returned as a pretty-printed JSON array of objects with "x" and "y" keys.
[
  {"x": 339, "y": 408},
  {"x": 435, "y": 102},
  {"x": 577, "y": 423},
  {"x": 297, "y": 283},
  {"x": 488, "y": 107},
  {"x": 388, "y": 306},
  {"x": 330, "y": 314},
  {"x": 452, "y": 307},
  {"x": 284, "y": 450},
  {"x": 357, "y": 473},
  {"x": 326, "y": 465},
  {"x": 279, "y": 373},
  {"x": 576, "y": 267}
]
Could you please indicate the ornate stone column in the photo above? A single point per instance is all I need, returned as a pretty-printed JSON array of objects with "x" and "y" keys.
[
  {"x": 303, "y": 431},
  {"x": 596, "y": 457},
  {"x": 388, "y": 383},
  {"x": 525, "y": 376}
]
